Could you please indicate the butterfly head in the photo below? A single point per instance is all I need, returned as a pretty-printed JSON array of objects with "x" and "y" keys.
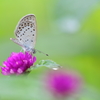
[{"x": 28, "y": 49}]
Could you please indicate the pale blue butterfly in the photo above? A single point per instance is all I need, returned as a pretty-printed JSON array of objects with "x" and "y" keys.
[{"x": 25, "y": 33}]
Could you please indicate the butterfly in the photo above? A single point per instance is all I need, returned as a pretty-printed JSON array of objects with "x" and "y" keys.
[{"x": 25, "y": 33}]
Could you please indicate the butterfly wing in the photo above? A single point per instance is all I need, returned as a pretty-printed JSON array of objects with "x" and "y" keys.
[
  {"x": 16, "y": 41},
  {"x": 26, "y": 31}
]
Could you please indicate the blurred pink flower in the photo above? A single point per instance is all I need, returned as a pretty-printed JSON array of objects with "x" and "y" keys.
[
  {"x": 17, "y": 63},
  {"x": 62, "y": 83}
]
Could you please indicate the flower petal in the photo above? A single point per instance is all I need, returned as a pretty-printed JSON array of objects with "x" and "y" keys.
[{"x": 17, "y": 63}]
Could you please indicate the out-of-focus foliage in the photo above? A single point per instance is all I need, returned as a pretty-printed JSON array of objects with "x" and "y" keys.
[{"x": 68, "y": 30}]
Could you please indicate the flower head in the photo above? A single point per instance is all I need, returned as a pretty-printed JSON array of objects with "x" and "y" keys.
[
  {"x": 62, "y": 83},
  {"x": 17, "y": 63}
]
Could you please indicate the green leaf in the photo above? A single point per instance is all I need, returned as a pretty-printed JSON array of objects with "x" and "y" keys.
[{"x": 47, "y": 63}]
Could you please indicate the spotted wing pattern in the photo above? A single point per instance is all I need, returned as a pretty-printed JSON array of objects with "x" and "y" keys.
[{"x": 26, "y": 31}]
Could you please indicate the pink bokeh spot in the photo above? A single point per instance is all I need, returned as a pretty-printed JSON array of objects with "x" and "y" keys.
[{"x": 62, "y": 83}]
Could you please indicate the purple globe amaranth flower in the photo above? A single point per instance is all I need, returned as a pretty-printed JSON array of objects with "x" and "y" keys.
[
  {"x": 17, "y": 63},
  {"x": 62, "y": 83}
]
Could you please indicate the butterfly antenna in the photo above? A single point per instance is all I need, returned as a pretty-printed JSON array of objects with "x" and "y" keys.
[{"x": 41, "y": 52}]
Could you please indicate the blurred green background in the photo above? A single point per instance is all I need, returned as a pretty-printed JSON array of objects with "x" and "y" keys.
[{"x": 68, "y": 30}]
